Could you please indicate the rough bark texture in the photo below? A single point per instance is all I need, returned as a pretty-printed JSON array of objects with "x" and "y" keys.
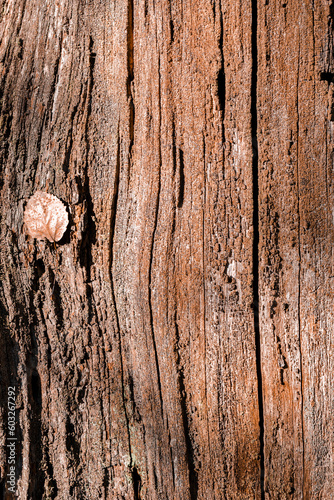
[
  {"x": 186, "y": 349},
  {"x": 296, "y": 264}
]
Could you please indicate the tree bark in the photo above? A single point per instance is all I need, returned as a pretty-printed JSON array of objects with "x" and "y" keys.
[
  {"x": 177, "y": 343},
  {"x": 295, "y": 134}
]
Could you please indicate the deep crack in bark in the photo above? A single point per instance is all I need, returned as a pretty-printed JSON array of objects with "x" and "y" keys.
[
  {"x": 111, "y": 249},
  {"x": 152, "y": 253},
  {"x": 256, "y": 246}
]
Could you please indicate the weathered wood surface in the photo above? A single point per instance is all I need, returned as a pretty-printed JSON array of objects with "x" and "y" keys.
[
  {"x": 192, "y": 145},
  {"x": 296, "y": 289}
]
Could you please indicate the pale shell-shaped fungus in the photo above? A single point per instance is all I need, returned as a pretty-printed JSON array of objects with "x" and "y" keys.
[{"x": 45, "y": 216}]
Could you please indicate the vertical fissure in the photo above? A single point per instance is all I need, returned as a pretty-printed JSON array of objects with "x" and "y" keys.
[
  {"x": 181, "y": 180},
  {"x": 256, "y": 238},
  {"x": 204, "y": 283},
  {"x": 112, "y": 284},
  {"x": 152, "y": 250},
  {"x": 221, "y": 82},
  {"x": 136, "y": 483},
  {"x": 190, "y": 452},
  {"x": 130, "y": 79},
  {"x": 89, "y": 239}
]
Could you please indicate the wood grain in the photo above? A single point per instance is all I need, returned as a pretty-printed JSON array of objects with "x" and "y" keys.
[
  {"x": 296, "y": 228},
  {"x": 186, "y": 351}
]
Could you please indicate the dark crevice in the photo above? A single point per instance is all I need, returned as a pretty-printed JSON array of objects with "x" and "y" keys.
[
  {"x": 153, "y": 336},
  {"x": 112, "y": 285},
  {"x": 38, "y": 271},
  {"x": 73, "y": 447},
  {"x": 221, "y": 81},
  {"x": 130, "y": 60},
  {"x": 174, "y": 145},
  {"x": 256, "y": 247},
  {"x": 20, "y": 48},
  {"x": 9, "y": 363},
  {"x": 106, "y": 480},
  {"x": 327, "y": 76},
  {"x": 171, "y": 23},
  {"x": 37, "y": 474},
  {"x": 181, "y": 180},
  {"x": 131, "y": 125},
  {"x": 56, "y": 300},
  {"x": 36, "y": 388},
  {"x": 2, "y": 488},
  {"x": 69, "y": 140},
  {"x": 39, "y": 268},
  {"x": 176, "y": 175},
  {"x": 89, "y": 238},
  {"x": 157, "y": 205},
  {"x": 221, "y": 88},
  {"x": 193, "y": 477},
  {"x": 156, "y": 487},
  {"x": 136, "y": 483},
  {"x": 92, "y": 57},
  {"x": 130, "y": 45},
  {"x": 135, "y": 413}
]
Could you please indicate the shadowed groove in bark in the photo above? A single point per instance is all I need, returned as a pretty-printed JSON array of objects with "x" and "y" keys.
[
  {"x": 193, "y": 479},
  {"x": 90, "y": 236},
  {"x": 41, "y": 469},
  {"x": 171, "y": 454},
  {"x": 111, "y": 258},
  {"x": 130, "y": 62},
  {"x": 36, "y": 388},
  {"x": 37, "y": 476},
  {"x": 256, "y": 239},
  {"x": 67, "y": 156},
  {"x": 130, "y": 44},
  {"x": 178, "y": 162},
  {"x": 152, "y": 252},
  {"x": 136, "y": 483},
  {"x": 9, "y": 361},
  {"x": 181, "y": 186},
  {"x": 221, "y": 81},
  {"x": 56, "y": 299}
]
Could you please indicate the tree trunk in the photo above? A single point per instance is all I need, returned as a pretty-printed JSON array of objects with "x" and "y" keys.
[{"x": 177, "y": 342}]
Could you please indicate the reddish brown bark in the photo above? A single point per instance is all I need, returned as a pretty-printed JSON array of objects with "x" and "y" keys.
[
  {"x": 186, "y": 349},
  {"x": 296, "y": 256}
]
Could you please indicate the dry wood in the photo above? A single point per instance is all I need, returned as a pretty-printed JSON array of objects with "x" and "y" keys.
[{"x": 186, "y": 351}]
